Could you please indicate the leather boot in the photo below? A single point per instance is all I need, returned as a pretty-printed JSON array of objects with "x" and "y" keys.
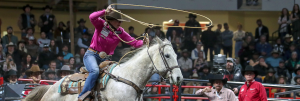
[{"x": 81, "y": 98}]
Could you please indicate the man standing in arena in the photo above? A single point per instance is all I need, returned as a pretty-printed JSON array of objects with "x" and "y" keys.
[{"x": 252, "y": 90}]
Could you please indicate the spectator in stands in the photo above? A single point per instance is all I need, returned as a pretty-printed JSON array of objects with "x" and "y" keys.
[
  {"x": 29, "y": 33},
  {"x": 227, "y": 36},
  {"x": 84, "y": 41},
  {"x": 192, "y": 22},
  {"x": 287, "y": 42},
  {"x": 279, "y": 47},
  {"x": 282, "y": 70},
  {"x": 60, "y": 32},
  {"x": 218, "y": 45},
  {"x": 297, "y": 83},
  {"x": 238, "y": 38},
  {"x": 185, "y": 64},
  {"x": 81, "y": 54},
  {"x": 206, "y": 39},
  {"x": 11, "y": 77},
  {"x": 22, "y": 48},
  {"x": 34, "y": 73},
  {"x": 9, "y": 37},
  {"x": 26, "y": 20},
  {"x": 295, "y": 74},
  {"x": 16, "y": 55},
  {"x": 32, "y": 48},
  {"x": 247, "y": 54},
  {"x": 233, "y": 73},
  {"x": 173, "y": 36},
  {"x": 2, "y": 54},
  {"x": 66, "y": 53},
  {"x": 200, "y": 61},
  {"x": 52, "y": 66},
  {"x": 270, "y": 77},
  {"x": 59, "y": 60},
  {"x": 274, "y": 59},
  {"x": 238, "y": 63},
  {"x": 255, "y": 59},
  {"x": 261, "y": 30},
  {"x": 72, "y": 63},
  {"x": 195, "y": 40},
  {"x": 80, "y": 29},
  {"x": 53, "y": 47},
  {"x": 288, "y": 53},
  {"x": 43, "y": 40},
  {"x": 261, "y": 67},
  {"x": 50, "y": 74},
  {"x": 159, "y": 32},
  {"x": 292, "y": 63},
  {"x": 47, "y": 22},
  {"x": 247, "y": 40},
  {"x": 205, "y": 74},
  {"x": 9, "y": 64},
  {"x": 192, "y": 83},
  {"x": 178, "y": 30},
  {"x": 64, "y": 71},
  {"x": 177, "y": 46},
  {"x": 131, "y": 32},
  {"x": 263, "y": 47},
  {"x": 27, "y": 63},
  {"x": 281, "y": 80},
  {"x": 195, "y": 52},
  {"x": 284, "y": 23},
  {"x": 295, "y": 21},
  {"x": 45, "y": 57}
]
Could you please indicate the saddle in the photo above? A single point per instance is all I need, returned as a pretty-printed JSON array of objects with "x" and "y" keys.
[{"x": 73, "y": 84}]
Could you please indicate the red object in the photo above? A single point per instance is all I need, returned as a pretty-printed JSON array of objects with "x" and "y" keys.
[
  {"x": 168, "y": 97},
  {"x": 1, "y": 81},
  {"x": 255, "y": 92},
  {"x": 175, "y": 90}
]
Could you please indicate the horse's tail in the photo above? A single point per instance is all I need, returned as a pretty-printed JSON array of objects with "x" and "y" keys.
[{"x": 37, "y": 93}]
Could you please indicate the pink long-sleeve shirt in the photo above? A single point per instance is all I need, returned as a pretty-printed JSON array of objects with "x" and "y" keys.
[{"x": 107, "y": 42}]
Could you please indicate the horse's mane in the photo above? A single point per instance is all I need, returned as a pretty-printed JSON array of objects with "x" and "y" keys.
[{"x": 130, "y": 55}]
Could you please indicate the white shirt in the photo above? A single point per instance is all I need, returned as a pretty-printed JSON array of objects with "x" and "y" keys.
[
  {"x": 185, "y": 64},
  {"x": 259, "y": 30}
]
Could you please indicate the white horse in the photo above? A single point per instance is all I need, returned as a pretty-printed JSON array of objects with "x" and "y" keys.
[{"x": 138, "y": 68}]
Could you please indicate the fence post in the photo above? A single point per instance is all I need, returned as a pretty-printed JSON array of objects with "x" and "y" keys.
[
  {"x": 175, "y": 90},
  {"x": 171, "y": 93},
  {"x": 179, "y": 93},
  {"x": 159, "y": 92}
]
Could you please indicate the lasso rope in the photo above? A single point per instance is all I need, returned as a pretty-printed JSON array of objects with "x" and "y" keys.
[{"x": 147, "y": 24}]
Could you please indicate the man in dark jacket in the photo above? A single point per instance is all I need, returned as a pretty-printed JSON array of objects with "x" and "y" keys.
[
  {"x": 9, "y": 37},
  {"x": 281, "y": 70},
  {"x": 45, "y": 57},
  {"x": 247, "y": 54},
  {"x": 178, "y": 30},
  {"x": 206, "y": 39},
  {"x": 192, "y": 22},
  {"x": 26, "y": 20},
  {"x": 233, "y": 73},
  {"x": 47, "y": 22},
  {"x": 261, "y": 30}
]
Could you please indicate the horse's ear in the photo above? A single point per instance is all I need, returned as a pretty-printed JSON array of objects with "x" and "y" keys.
[{"x": 160, "y": 42}]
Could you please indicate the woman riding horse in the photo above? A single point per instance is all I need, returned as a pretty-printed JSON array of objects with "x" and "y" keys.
[{"x": 103, "y": 44}]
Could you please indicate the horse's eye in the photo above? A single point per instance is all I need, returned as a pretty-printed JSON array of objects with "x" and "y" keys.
[{"x": 167, "y": 56}]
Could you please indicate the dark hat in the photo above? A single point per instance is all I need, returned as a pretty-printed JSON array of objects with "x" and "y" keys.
[
  {"x": 21, "y": 41},
  {"x": 9, "y": 73},
  {"x": 192, "y": 16},
  {"x": 9, "y": 27},
  {"x": 296, "y": 77},
  {"x": 204, "y": 67},
  {"x": 296, "y": 70},
  {"x": 45, "y": 46},
  {"x": 49, "y": 72},
  {"x": 65, "y": 68},
  {"x": 62, "y": 23},
  {"x": 116, "y": 16},
  {"x": 34, "y": 68},
  {"x": 270, "y": 70},
  {"x": 214, "y": 77},
  {"x": 249, "y": 68},
  {"x": 60, "y": 54},
  {"x": 24, "y": 7},
  {"x": 47, "y": 7},
  {"x": 81, "y": 20},
  {"x": 10, "y": 44},
  {"x": 225, "y": 24}
]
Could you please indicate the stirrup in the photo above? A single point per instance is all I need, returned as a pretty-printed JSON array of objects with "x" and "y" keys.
[{"x": 81, "y": 98}]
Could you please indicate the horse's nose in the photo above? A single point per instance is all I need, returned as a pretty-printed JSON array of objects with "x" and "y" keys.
[{"x": 178, "y": 78}]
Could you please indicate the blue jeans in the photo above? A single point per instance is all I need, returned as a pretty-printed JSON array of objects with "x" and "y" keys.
[
  {"x": 238, "y": 47},
  {"x": 91, "y": 61}
]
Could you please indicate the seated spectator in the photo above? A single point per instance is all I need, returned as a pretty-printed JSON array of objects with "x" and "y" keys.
[
  {"x": 255, "y": 59},
  {"x": 263, "y": 47},
  {"x": 72, "y": 63},
  {"x": 287, "y": 42},
  {"x": 9, "y": 64},
  {"x": 297, "y": 83},
  {"x": 238, "y": 64},
  {"x": 165, "y": 90},
  {"x": 32, "y": 48},
  {"x": 2, "y": 54},
  {"x": 43, "y": 40},
  {"x": 66, "y": 53},
  {"x": 246, "y": 55},
  {"x": 53, "y": 47},
  {"x": 172, "y": 37},
  {"x": 297, "y": 73},
  {"x": 281, "y": 80},
  {"x": 60, "y": 31},
  {"x": 50, "y": 74},
  {"x": 178, "y": 30},
  {"x": 192, "y": 83},
  {"x": 292, "y": 63},
  {"x": 52, "y": 66},
  {"x": 28, "y": 34},
  {"x": 79, "y": 56},
  {"x": 84, "y": 41},
  {"x": 177, "y": 46},
  {"x": 185, "y": 64},
  {"x": 45, "y": 57},
  {"x": 205, "y": 74},
  {"x": 200, "y": 62},
  {"x": 288, "y": 53},
  {"x": 282, "y": 70},
  {"x": 278, "y": 46},
  {"x": 261, "y": 67},
  {"x": 11, "y": 77},
  {"x": 22, "y": 48},
  {"x": 34, "y": 73},
  {"x": 274, "y": 59},
  {"x": 59, "y": 61},
  {"x": 247, "y": 40},
  {"x": 131, "y": 32},
  {"x": 27, "y": 63},
  {"x": 270, "y": 77},
  {"x": 64, "y": 71},
  {"x": 196, "y": 51},
  {"x": 16, "y": 55}
]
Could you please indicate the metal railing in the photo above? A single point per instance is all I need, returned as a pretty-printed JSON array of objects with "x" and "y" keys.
[{"x": 276, "y": 95}]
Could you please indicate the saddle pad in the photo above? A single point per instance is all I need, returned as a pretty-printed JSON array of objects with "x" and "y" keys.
[
  {"x": 68, "y": 86},
  {"x": 106, "y": 77}
]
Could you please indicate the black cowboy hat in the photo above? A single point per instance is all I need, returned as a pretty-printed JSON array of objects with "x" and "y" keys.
[
  {"x": 24, "y": 7},
  {"x": 296, "y": 77},
  {"x": 81, "y": 20},
  {"x": 47, "y": 7},
  {"x": 9, "y": 73},
  {"x": 192, "y": 16},
  {"x": 65, "y": 68},
  {"x": 116, "y": 16},
  {"x": 214, "y": 77},
  {"x": 62, "y": 23},
  {"x": 249, "y": 68}
]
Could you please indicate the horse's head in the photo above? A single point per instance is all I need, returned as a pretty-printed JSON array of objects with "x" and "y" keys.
[{"x": 165, "y": 61}]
